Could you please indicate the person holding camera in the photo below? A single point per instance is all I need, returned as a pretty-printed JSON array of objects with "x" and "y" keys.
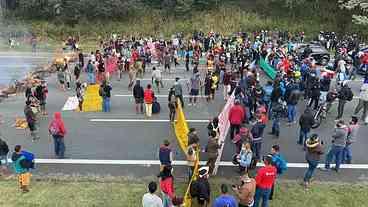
[
  {"x": 245, "y": 191},
  {"x": 313, "y": 156}
]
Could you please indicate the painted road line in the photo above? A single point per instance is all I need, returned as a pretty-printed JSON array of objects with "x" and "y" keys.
[
  {"x": 176, "y": 163},
  {"x": 145, "y": 120},
  {"x": 164, "y": 79},
  {"x": 158, "y": 96}
]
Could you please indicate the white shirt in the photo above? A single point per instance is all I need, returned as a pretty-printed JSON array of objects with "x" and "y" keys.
[
  {"x": 156, "y": 74},
  {"x": 151, "y": 200}
]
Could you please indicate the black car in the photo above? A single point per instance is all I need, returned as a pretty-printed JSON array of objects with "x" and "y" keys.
[{"x": 318, "y": 53}]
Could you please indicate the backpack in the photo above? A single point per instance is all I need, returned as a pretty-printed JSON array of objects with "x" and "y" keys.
[
  {"x": 54, "y": 129},
  {"x": 194, "y": 189},
  {"x": 280, "y": 164},
  {"x": 349, "y": 94},
  {"x": 28, "y": 161}
]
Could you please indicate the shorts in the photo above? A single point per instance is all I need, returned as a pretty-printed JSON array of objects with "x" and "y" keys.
[
  {"x": 194, "y": 92},
  {"x": 139, "y": 100},
  {"x": 24, "y": 179}
]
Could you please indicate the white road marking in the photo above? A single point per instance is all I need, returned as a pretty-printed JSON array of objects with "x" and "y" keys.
[
  {"x": 158, "y": 96},
  {"x": 175, "y": 163},
  {"x": 164, "y": 79},
  {"x": 145, "y": 120}
]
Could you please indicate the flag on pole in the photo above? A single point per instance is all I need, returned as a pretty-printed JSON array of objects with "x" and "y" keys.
[{"x": 181, "y": 127}]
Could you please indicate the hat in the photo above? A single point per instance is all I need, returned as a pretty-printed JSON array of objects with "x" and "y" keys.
[
  {"x": 203, "y": 171},
  {"x": 312, "y": 141}
]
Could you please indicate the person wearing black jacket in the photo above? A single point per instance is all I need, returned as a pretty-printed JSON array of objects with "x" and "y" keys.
[
  {"x": 200, "y": 189},
  {"x": 4, "y": 150},
  {"x": 315, "y": 94},
  {"x": 105, "y": 93},
  {"x": 344, "y": 95},
  {"x": 306, "y": 122},
  {"x": 325, "y": 87},
  {"x": 138, "y": 93}
]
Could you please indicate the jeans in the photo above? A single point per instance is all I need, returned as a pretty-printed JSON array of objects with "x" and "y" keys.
[
  {"x": 347, "y": 154},
  {"x": 312, "y": 165},
  {"x": 256, "y": 149},
  {"x": 59, "y": 146},
  {"x": 291, "y": 112},
  {"x": 276, "y": 126},
  {"x": 234, "y": 129},
  {"x": 303, "y": 135},
  {"x": 361, "y": 105},
  {"x": 91, "y": 78},
  {"x": 148, "y": 109},
  {"x": 264, "y": 194},
  {"x": 335, "y": 151},
  {"x": 106, "y": 104},
  {"x": 340, "y": 108}
]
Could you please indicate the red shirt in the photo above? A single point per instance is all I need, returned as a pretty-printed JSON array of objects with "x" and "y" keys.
[
  {"x": 167, "y": 186},
  {"x": 148, "y": 96},
  {"x": 236, "y": 114},
  {"x": 266, "y": 176}
]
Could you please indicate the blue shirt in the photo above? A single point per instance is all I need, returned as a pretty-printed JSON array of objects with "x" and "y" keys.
[{"x": 225, "y": 201}]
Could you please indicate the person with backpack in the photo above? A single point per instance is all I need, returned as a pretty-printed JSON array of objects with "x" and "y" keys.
[
  {"x": 345, "y": 94},
  {"x": 91, "y": 70},
  {"x": 57, "y": 131},
  {"x": 22, "y": 166},
  {"x": 257, "y": 137},
  {"x": 148, "y": 100},
  {"x": 279, "y": 162},
  {"x": 200, "y": 189},
  {"x": 313, "y": 156},
  {"x": 105, "y": 93},
  {"x": 31, "y": 120}
]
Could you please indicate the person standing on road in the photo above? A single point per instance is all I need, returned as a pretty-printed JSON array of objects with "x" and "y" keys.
[
  {"x": 179, "y": 91},
  {"x": 157, "y": 78},
  {"x": 148, "y": 100},
  {"x": 61, "y": 79},
  {"x": 172, "y": 104},
  {"x": 292, "y": 98},
  {"x": 313, "y": 157},
  {"x": 90, "y": 69},
  {"x": 245, "y": 191},
  {"x": 212, "y": 151},
  {"x": 167, "y": 62},
  {"x": 345, "y": 95},
  {"x": 352, "y": 135},
  {"x": 257, "y": 137},
  {"x": 363, "y": 101},
  {"x": 195, "y": 83},
  {"x": 31, "y": 120},
  {"x": 105, "y": 93},
  {"x": 265, "y": 179},
  {"x": 338, "y": 144},
  {"x": 227, "y": 84},
  {"x": 77, "y": 71},
  {"x": 138, "y": 94},
  {"x": 236, "y": 118},
  {"x": 57, "y": 131},
  {"x": 41, "y": 94},
  {"x": 79, "y": 90},
  {"x": 225, "y": 199},
  {"x": 150, "y": 199},
  {"x": 306, "y": 122},
  {"x": 165, "y": 155}
]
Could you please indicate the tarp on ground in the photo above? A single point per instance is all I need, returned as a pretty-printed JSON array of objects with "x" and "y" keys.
[{"x": 269, "y": 70}]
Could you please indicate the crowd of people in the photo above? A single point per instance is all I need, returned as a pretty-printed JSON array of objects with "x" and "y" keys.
[{"x": 230, "y": 64}]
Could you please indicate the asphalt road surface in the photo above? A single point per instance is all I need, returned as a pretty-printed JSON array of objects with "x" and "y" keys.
[{"x": 138, "y": 140}]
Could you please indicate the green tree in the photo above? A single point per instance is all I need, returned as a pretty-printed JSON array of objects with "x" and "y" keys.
[{"x": 360, "y": 7}]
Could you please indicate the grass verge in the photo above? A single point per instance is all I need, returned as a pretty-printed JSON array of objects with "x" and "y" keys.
[{"x": 111, "y": 192}]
